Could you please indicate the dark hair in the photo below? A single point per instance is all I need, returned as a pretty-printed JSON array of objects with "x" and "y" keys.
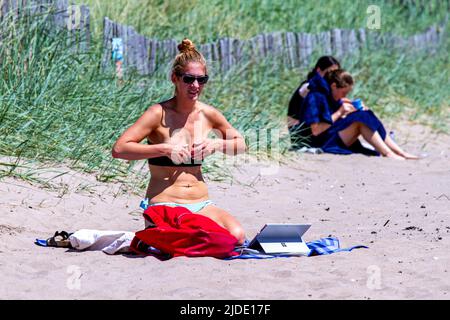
[
  {"x": 323, "y": 63},
  {"x": 341, "y": 77}
]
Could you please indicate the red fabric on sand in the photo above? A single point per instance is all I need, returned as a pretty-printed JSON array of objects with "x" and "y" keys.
[{"x": 179, "y": 232}]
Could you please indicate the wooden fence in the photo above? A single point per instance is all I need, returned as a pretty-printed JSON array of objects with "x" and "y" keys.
[
  {"x": 147, "y": 55},
  {"x": 60, "y": 14}
]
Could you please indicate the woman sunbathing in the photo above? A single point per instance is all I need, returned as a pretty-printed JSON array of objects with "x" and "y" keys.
[
  {"x": 177, "y": 134},
  {"x": 333, "y": 124}
]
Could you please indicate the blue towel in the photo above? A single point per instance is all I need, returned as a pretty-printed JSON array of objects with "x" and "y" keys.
[
  {"x": 328, "y": 246},
  {"x": 319, "y": 247}
]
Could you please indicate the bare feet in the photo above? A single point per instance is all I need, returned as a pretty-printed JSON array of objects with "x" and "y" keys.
[
  {"x": 410, "y": 156},
  {"x": 393, "y": 155}
]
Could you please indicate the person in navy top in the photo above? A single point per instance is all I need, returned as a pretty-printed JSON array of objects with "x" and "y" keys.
[
  {"x": 330, "y": 122},
  {"x": 323, "y": 65}
]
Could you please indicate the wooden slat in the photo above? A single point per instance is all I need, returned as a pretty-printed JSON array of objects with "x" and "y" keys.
[
  {"x": 173, "y": 52},
  {"x": 61, "y": 14},
  {"x": 352, "y": 45},
  {"x": 301, "y": 48},
  {"x": 336, "y": 43},
  {"x": 86, "y": 30},
  {"x": 71, "y": 36},
  {"x": 152, "y": 53},
  {"x": 4, "y": 9},
  {"x": 12, "y": 9},
  {"x": 257, "y": 47},
  {"x": 33, "y": 7},
  {"x": 203, "y": 48},
  {"x": 291, "y": 44},
  {"x": 210, "y": 52},
  {"x": 346, "y": 47},
  {"x": 142, "y": 56},
  {"x": 241, "y": 50},
  {"x": 316, "y": 46},
  {"x": 224, "y": 52},
  {"x": 131, "y": 50},
  {"x": 107, "y": 46},
  {"x": 128, "y": 38},
  {"x": 362, "y": 38},
  {"x": 432, "y": 37},
  {"x": 279, "y": 49},
  {"x": 139, "y": 53},
  {"x": 167, "y": 54},
  {"x": 146, "y": 49},
  {"x": 231, "y": 58},
  {"x": 308, "y": 42},
  {"x": 158, "y": 50},
  {"x": 122, "y": 32},
  {"x": 325, "y": 42},
  {"x": 268, "y": 44}
]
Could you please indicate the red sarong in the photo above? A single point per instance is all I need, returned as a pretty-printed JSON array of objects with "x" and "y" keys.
[{"x": 179, "y": 232}]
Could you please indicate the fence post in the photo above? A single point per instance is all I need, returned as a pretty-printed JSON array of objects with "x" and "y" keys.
[
  {"x": 107, "y": 42},
  {"x": 291, "y": 44},
  {"x": 86, "y": 27},
  {"x": 336, "y": 42}
]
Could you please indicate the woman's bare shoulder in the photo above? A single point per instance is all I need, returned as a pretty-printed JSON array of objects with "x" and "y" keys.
[
  {"x": 156, "y": 108},
  {"x": 209, "y": 110},
  {"x": 215, "y": 117},
  {"x": 151, "y": 117},
  {"x": 161, "y": 107}
]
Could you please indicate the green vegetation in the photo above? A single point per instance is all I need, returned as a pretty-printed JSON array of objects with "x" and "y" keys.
[
  {"x": 207, "y": 20},
  {"x": 59, "y": 106}
]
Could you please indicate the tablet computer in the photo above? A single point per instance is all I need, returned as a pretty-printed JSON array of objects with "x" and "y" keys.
[{"x": 281, "y": 238}]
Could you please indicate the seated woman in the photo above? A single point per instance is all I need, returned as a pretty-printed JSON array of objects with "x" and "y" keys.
[
  {"x": 334, "y": 125},
  {"x": 177, "y": 134},
  {"x": 323, "y": 65}
]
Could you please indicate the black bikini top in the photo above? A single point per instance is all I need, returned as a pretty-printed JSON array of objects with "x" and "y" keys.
[{"x": 167, "y": 162}]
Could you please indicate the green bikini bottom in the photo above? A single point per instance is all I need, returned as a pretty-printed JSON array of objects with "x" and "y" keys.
[{"x": 193, "y": 207}]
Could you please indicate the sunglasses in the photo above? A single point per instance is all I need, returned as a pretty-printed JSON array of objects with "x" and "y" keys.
[{"x": 188, "y": 78}]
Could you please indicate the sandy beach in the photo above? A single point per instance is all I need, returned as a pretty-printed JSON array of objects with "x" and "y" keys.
[{"x": 399, "y": 209}]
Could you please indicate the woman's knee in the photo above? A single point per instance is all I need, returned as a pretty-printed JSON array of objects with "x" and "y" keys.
[
  {"x": 225, "y": 220},
  {"x": 239, "y": 233}
]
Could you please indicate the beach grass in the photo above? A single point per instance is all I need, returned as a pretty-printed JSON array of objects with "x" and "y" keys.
[
  {"x": 208, "y": 20},
  {"x": 59, "y": 106}
]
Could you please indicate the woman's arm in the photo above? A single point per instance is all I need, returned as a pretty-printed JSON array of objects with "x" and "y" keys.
[
  {"x": 128, "y": 145},
  {"x": 291, "y": 121},
  {"x": 319, "y": 127}
]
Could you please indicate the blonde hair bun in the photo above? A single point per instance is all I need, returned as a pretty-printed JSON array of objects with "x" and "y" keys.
[
  {"x": 186, "y": 45},
  {"x": 188, "y": 53}
]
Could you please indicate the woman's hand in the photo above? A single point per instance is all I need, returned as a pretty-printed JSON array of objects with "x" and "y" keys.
[
  {"x": 347, "y": 100},
  {"x": 364, "y": 107},
  {"x": 207, "y": 147},
  {"x": 346, "y": 108},
  {"x": 178, "y": 153},
  {"x": 292, "y": 122}
]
